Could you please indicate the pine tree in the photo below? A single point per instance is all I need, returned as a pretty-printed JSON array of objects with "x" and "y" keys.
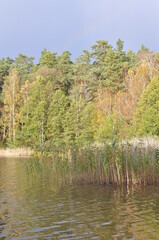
[
  {"x": 99, "y": 52},
  {"x": 65, "y": 69},
  {"x": 24, "y": 66},
  {"x": 112, "y": 71},
  {"x": 48, "y": 59},
  {"x": 83, "y": 83}
]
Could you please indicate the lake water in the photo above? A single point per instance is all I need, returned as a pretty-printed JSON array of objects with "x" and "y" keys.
[{"x": 35, "y": 206}]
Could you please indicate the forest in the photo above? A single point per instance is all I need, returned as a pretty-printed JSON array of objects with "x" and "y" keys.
[{"x": 106, "y": 94}]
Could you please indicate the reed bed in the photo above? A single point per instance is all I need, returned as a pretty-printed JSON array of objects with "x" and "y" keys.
[{"x": 117, "y": 164}]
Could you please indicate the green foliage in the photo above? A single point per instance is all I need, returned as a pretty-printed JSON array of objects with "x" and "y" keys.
[
  {"x": 99, "y": 52},
  {"x": 120, "y": 45},
  {"x": 130, "y": 59},
  {"x": 5, "y": 65},
  {"x": 56, "y": 117},
  {"x": 35, "y": 114},
  {"x": 147, "y": 115},
  {"x": 63, "y": 102},
  {"x": 112, "y": 71},
  {"x": 11, "y": 108},
  {"x": 83, "y": 81},
  {"x": 109, "y": 130},
  {"x": 78, "y": 123},
  {"x": 24, "y": 66},
  {"x": 65, "y": 68},
  {"x": 48, "y": 59}
]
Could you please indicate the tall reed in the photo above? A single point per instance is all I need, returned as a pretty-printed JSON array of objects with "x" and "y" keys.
[{"x": 118, "y": 164}]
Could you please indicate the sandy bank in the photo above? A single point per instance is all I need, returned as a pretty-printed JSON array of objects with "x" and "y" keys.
[{"x": 16, "y": 152}]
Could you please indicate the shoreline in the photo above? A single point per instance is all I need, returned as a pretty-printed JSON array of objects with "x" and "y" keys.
[
  {"x": 16, "y": 152},
  {"x": 140, "y": 143}
]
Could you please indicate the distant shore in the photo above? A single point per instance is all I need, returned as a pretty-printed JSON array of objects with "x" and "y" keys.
[{"x": 16, "y": 152}]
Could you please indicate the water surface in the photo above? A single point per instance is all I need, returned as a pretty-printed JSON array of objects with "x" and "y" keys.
[{"x": 34, "y": 206}]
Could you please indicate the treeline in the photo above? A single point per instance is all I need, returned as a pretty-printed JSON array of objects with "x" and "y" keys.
[{"x": 104, "y": 95}]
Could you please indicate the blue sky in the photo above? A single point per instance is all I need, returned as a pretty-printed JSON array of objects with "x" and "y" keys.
[{"x": 29, "y": 26}]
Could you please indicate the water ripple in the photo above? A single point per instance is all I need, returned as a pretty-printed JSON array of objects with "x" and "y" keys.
[{"x": 32, "y": 209}]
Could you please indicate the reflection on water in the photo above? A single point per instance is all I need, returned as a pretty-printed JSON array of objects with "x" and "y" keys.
[{"x": 34, "y": 206}]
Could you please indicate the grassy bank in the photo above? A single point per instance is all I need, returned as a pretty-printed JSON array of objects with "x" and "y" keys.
[{"x": 126, "y": 163}]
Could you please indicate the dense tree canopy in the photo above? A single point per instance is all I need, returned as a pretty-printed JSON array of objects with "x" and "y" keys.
[{"x": 105, "y": 94}]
